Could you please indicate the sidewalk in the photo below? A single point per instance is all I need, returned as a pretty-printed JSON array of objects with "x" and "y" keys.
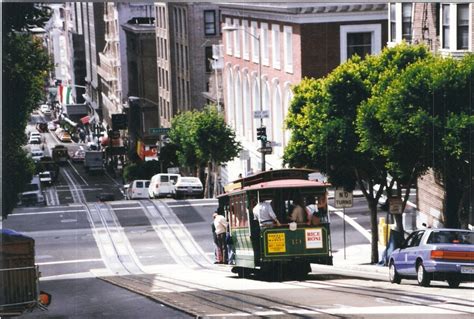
[{"x": 358, "y": 259}]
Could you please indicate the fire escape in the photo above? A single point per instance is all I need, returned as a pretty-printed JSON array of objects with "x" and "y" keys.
[{"x": 110, "y": 67}]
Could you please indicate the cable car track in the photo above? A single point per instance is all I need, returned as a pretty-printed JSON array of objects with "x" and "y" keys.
[{"x": 172, "y": 226}]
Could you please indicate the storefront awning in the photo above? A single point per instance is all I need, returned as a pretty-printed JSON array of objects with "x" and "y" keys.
[{"x": 85, "y": 120}]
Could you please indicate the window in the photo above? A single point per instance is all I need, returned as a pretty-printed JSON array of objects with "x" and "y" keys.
[
  {"x": 359, "y": 43},
  {"x": 228, "y": 43},
  {"x": 288, "y": 48},
  {"x": 210, "y": 22},
  {"x": 445, "y": 22},
  {"x": 360, "y": 39},
  {"x": 406, "y": 21},
  {"x": 255, "y": 42},
  {"x": 276, "y": 46},
  {"x": 236, "y": 35},
  {"x": 265, "y": 43},
  {"x": 208, "y": 55},
  {"x": 393, "y": 23},
  {"x": 462, "y": 26},
  {"x": 245, "y": 42}
]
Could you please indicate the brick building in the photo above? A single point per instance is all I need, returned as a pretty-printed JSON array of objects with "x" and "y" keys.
[
  {"x": 297, "y": 40},
  {"x": 185, "y": 33},
  {"x": 447, "y": 29}
]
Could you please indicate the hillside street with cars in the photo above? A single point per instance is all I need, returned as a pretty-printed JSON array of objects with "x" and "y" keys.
[{"x": 159, "y": 253}]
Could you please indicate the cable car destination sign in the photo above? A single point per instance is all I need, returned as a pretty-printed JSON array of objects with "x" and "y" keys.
[{"x": 342, "y": 199}]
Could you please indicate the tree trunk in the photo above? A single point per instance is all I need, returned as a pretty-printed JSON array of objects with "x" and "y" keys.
[{"x": 374, "y": 231}]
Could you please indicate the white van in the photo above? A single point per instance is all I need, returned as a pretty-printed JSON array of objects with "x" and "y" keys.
[
  {"x": 138, "y": 189},
  {"x": 33, "y": 195},
  {"x": 162, "y": 185}
]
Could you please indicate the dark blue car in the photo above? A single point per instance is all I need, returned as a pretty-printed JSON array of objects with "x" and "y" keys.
[{"x": 434, "y": 254}]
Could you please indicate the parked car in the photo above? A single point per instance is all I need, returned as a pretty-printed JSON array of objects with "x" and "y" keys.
[
  {"x": 36, "y": 154},
  {"x": 188, "y": 186},
  {"x": 434, "y": 254},
  {"x": 78, "y": 156},
  {"x": 42, "y": 127},
  {"x": 52, "y": 126},
  {"x": 34, "y": 140},
  {"x": 34, "y": 134},
  {"x": 33, "y": 195},
  {"x": 44, "y": 108},
  {"x": 45, "y": 178},
  {"x": 162, "y": 185},
  {"x": 137, "y": 189}
]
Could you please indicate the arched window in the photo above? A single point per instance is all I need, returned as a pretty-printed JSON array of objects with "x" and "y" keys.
[
  {"x": 230, "y": 98},
  {"x": 278, "y": 126},
  {"x": 238, "y": 104},
  {"x": 248, "y": 108},
  {"x": 255, "y": 103}
]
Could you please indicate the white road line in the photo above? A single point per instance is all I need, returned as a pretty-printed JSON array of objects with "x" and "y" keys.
[
  {"x": 60, "y": 262},
  {"x": 50, "y": 212},
  {"x": 187, "y": 205},
  {"x": 78, "y": 275},
  {"x": 352, "y": 222},
  {"x": 75, "y": 170},
  {"x": 127, "y": 208},
  {"x": 113, "y": 180}
]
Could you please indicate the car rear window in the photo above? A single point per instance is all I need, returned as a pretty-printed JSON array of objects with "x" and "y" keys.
[
  {"x": 139, "y": 185},
  {"x": 451, "y": 237},
  {"x": 147, "y": 184}
]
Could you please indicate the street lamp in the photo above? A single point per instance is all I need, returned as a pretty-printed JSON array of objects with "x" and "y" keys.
[{"x": 262, "y": 129}]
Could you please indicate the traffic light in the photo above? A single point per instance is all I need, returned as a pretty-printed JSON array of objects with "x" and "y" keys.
[{"x": 262, "y": 133}]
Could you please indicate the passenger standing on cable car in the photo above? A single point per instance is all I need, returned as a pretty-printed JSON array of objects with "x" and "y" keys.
[
  {"x": 221, "y": 228},
  {"x": 299, "y": 213},
  {"x": 264, "y": 214}
]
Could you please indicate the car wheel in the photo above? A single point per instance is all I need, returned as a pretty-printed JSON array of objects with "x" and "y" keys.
[
  {"x": 454, "y": 283},
  {"x": 422, "y": 276},
  {"x": 393, "y": 275}
]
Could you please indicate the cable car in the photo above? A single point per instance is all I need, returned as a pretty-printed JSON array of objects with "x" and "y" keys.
[{"x": 290, "y": 248}]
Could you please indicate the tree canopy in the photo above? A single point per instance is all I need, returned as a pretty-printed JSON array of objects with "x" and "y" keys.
[
  {"x": 382, "y": 117},
  {"x": 25, "y": 68},
  {"x": 202, "y": 138}
]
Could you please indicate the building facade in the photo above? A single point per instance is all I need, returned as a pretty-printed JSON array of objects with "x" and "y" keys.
[
  {"x": 113, "y": 69},
  {"x": 274, "y": 47},
  {"x": 185, "y": 33},
  {"x": 447, "y": 29}
]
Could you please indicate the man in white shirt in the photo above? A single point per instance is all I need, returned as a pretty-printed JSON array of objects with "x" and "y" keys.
[
  {"x": 221, "y": 228},
  {"x": 263, "y": 212}
]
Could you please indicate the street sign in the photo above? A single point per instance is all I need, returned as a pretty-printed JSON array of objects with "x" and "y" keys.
[
  {"x": 273, "y": 143},
  {"x": 159, "y": 130},
  {"x": 265, "y": 150},
  {"x": 342, "y": 199},
  {"x": 261, "y": 114},
  {"x": 395, "y": 205}
]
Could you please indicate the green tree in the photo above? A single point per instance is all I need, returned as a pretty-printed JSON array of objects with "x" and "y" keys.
[
  {"x": 25, "y": 68},
  {"x": 216, "y": 143},
  {"x": 203, "y": 139},
  {"x": 424, "y": 120},
  {"x": 323, "y": 118}
]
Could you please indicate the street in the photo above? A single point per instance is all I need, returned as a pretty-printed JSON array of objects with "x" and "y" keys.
[{"x": 161, "y": 252}]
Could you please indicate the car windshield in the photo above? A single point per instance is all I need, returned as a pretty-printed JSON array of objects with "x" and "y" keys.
[
  {"x": 46, "y": 174},
  {"x": 451, "y": 237}
]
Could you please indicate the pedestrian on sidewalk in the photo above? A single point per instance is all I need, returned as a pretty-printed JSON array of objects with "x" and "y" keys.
[{"x": 221, "y": 227}]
